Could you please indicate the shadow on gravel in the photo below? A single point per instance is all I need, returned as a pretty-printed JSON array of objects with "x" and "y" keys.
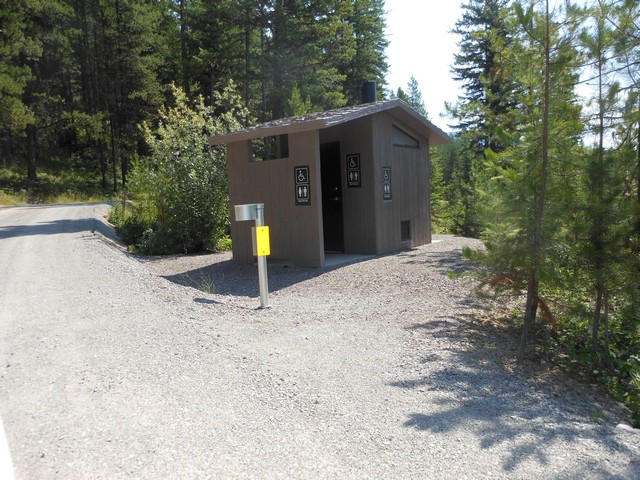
[
  {"x": 520, "y": 408},
  {"x": 57, "y": 227},
  {"x": 442, "y": 262},
  {"x": 236, "y": 279}
]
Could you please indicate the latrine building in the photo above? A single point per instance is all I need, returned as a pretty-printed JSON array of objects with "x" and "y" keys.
[{"x": 352, "y": 180}]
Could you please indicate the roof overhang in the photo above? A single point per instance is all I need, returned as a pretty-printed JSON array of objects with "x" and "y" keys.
[{"x": 331, "y": 118}]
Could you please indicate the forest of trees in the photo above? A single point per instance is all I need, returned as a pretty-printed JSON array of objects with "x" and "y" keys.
[
  {"x": 77, "y": 77},
  {"x": 544, "y": 165},
  {"x": 545, "y": 168}
]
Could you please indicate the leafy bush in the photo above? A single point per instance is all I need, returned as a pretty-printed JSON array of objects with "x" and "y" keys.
[
  {"x": 224, "y": 244},
  {"x": 132, "y": 231},
  {"x": 179, "y": 191}
]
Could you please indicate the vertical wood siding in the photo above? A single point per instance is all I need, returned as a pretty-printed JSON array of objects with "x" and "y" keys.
[
  {"x": 371, "y": 225},
  {"x": 295, "y": 231},
  {"x": 409, "y": 187}
]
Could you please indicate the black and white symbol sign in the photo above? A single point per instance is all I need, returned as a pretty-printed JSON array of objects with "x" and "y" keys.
[
  {"x": 303, "y": 190},
  {"x": 302, "y": 175},
  {"x": 353, "y": 171},
  {"x": 386, "y": 183}
]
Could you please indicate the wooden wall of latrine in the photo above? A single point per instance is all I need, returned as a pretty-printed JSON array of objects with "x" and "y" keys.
[{"x": 372, "y": 225}]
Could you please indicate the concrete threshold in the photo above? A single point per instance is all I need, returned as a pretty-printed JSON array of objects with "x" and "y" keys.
[{"x": 333, "y": 259}]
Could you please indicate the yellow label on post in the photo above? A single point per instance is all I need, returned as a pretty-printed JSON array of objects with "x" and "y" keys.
[{"x": 263, "y": 247}]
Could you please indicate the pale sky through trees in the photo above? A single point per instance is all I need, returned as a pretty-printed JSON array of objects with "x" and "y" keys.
[{"x": 420, "y": 44}]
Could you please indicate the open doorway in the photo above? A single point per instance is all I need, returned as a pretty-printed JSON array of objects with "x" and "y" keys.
[{"x": 331, "y": 178}]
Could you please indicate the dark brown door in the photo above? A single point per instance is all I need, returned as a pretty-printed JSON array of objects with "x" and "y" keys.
[{"x": 332, "y": 217}]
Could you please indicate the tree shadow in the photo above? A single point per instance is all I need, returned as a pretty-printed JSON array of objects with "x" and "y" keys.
[
  {"x": 445, "y": 263},
  {"x": 206, "y": 301},
  {"x": 481, "y": 391},
  {"x": 237, "y": 279},
  {"x": 58, "y": 227}
]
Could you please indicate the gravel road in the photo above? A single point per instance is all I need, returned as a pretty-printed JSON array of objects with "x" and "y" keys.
[{"x": 115, "y": 366}]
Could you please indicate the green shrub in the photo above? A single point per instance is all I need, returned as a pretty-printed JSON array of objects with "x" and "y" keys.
[
  {"x": 179, "y": 191},
  {"x": 224, "y": 244},
  {"x": 131, "y": 231},
  {"x": 631, "y": 388}
]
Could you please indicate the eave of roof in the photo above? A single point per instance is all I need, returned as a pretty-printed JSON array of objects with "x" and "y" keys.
[{"x": 330, "y": 118}]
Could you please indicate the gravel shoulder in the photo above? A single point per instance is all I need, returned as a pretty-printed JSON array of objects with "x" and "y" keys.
[{"x": 116, "y": 367}]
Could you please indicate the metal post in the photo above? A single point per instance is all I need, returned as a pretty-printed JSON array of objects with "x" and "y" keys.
[
  {"x": 262, "y": 263},
  {"x": 255, "y": 211}
]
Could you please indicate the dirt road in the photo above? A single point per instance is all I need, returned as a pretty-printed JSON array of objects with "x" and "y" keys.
[{"x": 119, "y": 367}]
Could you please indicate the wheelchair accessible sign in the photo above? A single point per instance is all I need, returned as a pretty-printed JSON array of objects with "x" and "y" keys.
[{"x": 302, "y": 185}]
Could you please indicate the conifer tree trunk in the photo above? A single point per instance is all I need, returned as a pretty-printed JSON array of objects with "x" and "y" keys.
[
  {"x": 638, "y": 173},
  {"x": 605, "y": 322},
  {"x": 32, "y": 173},
  {"x": 184, "y": 52},
  {"x": 597, "y": 233},
  {"x": 279, "y": 35},
  {"x": 530, "y": 311},
  {"x": 597, "y": 186},
  {"x": 114, "y": 171},
  {"x": 103, "y": 164},
  {"x": 595, "y": 326}
]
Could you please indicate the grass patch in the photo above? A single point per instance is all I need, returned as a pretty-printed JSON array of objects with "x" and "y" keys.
[
  {"x": 8, "y": 198},
  {"x": 67, "y": 186}
]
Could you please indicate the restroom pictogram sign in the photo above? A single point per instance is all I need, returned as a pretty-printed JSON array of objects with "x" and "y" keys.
[
  {"x": 302, "y": 185},
  {"x": 354, "y": 173},
  {"x": 386, "y": 183}
]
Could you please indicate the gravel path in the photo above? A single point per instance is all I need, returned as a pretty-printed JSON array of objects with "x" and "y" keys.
[{"x": 120, "y": 367}]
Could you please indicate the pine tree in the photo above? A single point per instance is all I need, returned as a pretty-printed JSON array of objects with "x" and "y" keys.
[
  {"x": 130, "y": 51},
  {"x": 216, "y": 45},
  {"x": 525, "y": 194},
  {"x": 599, "y": 188},
  {"x": 369, "y": 63},
  {"x": 483, "y": 112},
  {"x": 296, "y": 105},
  {"x": 625, "y": 16},
  {"x": 453, "y": 198},
  {"x": 626, "y": 149},
  {"x": 46, "y": 92},
  {"x": 182, "y": 11},
  {"x": 487, "y": 98},
  {"x": 78, "y": 76},
  {"x": 14, "y": 73},
  {"x": 414, "y": 96}
]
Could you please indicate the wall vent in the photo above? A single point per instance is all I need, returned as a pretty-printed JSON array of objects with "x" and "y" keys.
[{"x": 405, "y": 232}]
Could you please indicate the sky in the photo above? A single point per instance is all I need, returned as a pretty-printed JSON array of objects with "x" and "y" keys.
[{"x": 420, "y": 45}]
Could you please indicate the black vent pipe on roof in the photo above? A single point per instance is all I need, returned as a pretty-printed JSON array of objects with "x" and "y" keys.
[{"x": 369, "y": 92}]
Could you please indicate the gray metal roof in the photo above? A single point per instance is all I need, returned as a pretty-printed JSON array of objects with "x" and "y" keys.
[{"x": 330, "y": 118}]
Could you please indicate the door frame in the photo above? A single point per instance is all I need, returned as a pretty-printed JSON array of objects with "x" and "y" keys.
[{"x": 331, "y": 164}]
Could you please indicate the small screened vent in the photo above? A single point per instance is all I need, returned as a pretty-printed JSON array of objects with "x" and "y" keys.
[
  {"x": 405, "y": 231},
  {"x": 403, "y": 139}
]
